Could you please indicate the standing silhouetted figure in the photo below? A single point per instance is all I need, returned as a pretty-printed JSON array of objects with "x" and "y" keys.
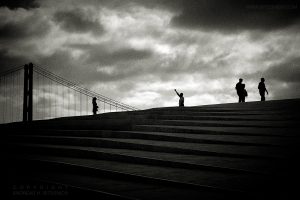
[
  {"x": 95, "y": 106},
  {"x": 244, "y": 93},
  {"x": 181, "y": 98},
  {"x": 262, "y": 89},
  {"x": 240, "y": 90}
]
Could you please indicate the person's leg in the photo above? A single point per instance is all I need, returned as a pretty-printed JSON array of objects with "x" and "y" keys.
[{"x": 262, "y": 95}]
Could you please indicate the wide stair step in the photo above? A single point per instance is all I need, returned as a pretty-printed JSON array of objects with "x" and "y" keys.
[
  {"x": 205, "y": 162},
  {"x": 165, "y": 146}
]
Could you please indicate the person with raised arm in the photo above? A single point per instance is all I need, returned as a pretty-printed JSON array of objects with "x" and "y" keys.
[{"x": 181, "y": 99}]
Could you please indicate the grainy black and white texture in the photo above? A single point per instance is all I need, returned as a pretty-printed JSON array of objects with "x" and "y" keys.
[{"x": 138, "y": 51}]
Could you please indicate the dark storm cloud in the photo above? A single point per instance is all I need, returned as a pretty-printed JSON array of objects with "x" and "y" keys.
[
  {"x": 15, "y": 4},
  {"x": 104, "y": 55},
  {"x": 8, "y": 61},
  {"x": 77, "y": 21},
  {"x": 105, "y": 63},
  {"x": 120, "y": 55},
  {"x": 58, "y": 61},
  {"x": 288, "y": 71},
  {"x": 63, "y": 64},
  {"x": 28, "y": 27},
  {"x": 291, "y": 90},
  {"x": 117, "y": 65},
  {"x": 238, "y": 15},
  {"x": 232, "y": 15},
  {"x": 23, "y": 29}
]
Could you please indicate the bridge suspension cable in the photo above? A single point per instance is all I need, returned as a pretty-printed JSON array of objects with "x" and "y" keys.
[
  {"x": 11, "y": 95},
  {"x": 11, "y": 71},
  {"x": 77, "y": 87}
]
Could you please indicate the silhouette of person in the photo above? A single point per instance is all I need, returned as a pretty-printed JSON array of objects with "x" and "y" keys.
[
  {"x": 244, "y": 93},
  {"x": 262, "y": 89},
  {"x": 95, "y": 106},
  {"x": 240, "y": 90},
  {"x": 181, "y": 99}
]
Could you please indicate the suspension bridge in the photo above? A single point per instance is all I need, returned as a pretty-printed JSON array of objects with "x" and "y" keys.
[{"x": 31, "y": 92}]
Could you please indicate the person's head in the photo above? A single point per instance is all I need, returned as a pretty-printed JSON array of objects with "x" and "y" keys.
[
  {"x": 94, "y": 98},
  {"x": 181, "y": 94},
  {"x": 262, "y": 79},
  {"x": 240, "y": 80}
]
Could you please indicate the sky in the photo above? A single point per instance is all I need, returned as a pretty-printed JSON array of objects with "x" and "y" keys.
[{"x": 139, "y": 51}]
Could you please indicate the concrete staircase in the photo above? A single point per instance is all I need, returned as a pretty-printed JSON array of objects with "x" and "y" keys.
[{"x": 226, "y": 151}]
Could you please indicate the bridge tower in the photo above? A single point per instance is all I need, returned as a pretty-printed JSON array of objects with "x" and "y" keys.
[{"x": 27, "y": 97}]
